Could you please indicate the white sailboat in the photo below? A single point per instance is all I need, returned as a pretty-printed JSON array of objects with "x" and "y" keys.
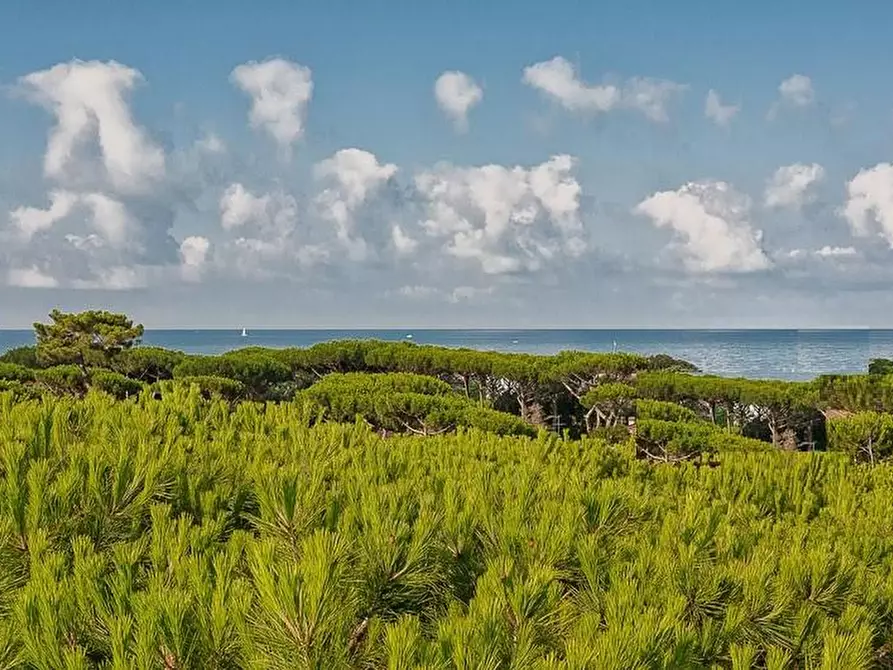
[{"x": 244, "y": 332}]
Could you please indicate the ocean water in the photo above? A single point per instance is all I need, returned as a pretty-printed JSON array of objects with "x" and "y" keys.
[{"x": 780, "y": 354}]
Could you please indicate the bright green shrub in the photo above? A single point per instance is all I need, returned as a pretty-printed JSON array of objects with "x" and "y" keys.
[
  {"x": 672, "y": 441},
  {"x": 115, "y": 384},
  {"x": 256, "y": 372},
  {"x": 16, "y": 373},
  {"x": 64, "y": 379},
  {"x": 404, "y": 402},
  {"x": 211, "y": 386},
  {"x": 148, "y": 364},
  {"x": 663, "y": 411},
  {"x": 880, "y": 366},
  {"x": 191, "y": 533},
  {"x": 19, "y": 390},
  {"x": 24, "y": 356},
  {"x": 865, "y": 436}
]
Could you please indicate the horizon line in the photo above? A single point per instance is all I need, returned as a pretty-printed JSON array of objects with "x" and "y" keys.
[{"x": 406, "y": 329}]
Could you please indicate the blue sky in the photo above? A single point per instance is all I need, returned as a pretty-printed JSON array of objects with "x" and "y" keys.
[{"x": 376, "y": 209}]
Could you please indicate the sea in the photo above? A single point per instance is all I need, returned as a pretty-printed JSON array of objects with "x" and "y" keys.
[{"x": 769, "y": 354}]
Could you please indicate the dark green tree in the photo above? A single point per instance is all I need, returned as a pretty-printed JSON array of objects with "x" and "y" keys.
[{"x": 88, "y": 339}]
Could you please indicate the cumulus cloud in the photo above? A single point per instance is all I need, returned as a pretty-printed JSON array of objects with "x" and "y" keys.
[
  {"x": 797, "y": 90},
  {"x": 558, "y": 80},
  {"x": 651, "y": 96},
  {"x": 211, "y": 143},
  {"x": 403, "y": 243},
  {"x": 193, "y": 256},
  {"x": 417, "y": 291},
  {"x": 794, "y": 92},
  {"x": 261, "y": 235},
  {"x": 280, "y": 92},
  {"x": 711, "y": 223},
  {"x": 113, "y": 193},
  {"x": 717, "y": 112},
  {"x": 88, "y": 100},
  {"x": 504, "y": 219},
  {"x": 273, "y": 214},
  {"x": 30, "y": 277},
  {"x": 836, "y": 252},
  {"x": 456, "y": 93},
  {"x": 790, "y": 185},
  {"x": 239, "y": 206},
  {"x": 870, "y": 201},
  {"x": 116, "y": 278},
  {"x": 32, "y": 220},
  {"x": 468, "y": 293},
  {"x": 112, "y": 219},
  {"x": 352, "y": 175}
]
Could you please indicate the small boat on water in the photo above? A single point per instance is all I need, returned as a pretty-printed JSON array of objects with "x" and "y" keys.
[
  {"x": 409, "y": 337},
  {"x": 244, "y": 332}
]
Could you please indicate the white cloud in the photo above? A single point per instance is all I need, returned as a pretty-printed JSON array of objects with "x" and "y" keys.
[
  {"x": 32, "y": 220},
  {"x": 456, "y": 93},
  {"x": 468, "y": 293},
  {"x": 403, "y": 243},
  {"x": 31, "y": 277},
  {"x": 417, "y": 292},
  {"x": 836, "y": 252},
  {"x": 870, "y": 200},
  {"x": 115, "y": 278},
  {"x": 651, "y": 96},
  {"x": 266, "y": 242},
  {"x": 790, "y": 185},
  {"x": 212, "y": 144},
  {"x": 504, "y": 219},
  {"x": 558, "y": 80},
  {"x": 354, "y": 175},
  {"x": 280, "y": 92},
  {"x": 797, "y": 90},
  {"x": 717, "y": 112},
  {"x": 193, "y": 256},
  {"x": 239, "y": 206},
  {"x": 111, "y": 219},
  {"x": 88, "y": 101},
  {"x": 711, "y": 222}
]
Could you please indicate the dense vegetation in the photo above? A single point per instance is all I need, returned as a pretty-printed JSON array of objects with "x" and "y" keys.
[
  {"x": 188, "y": 533},
  {"x": 389, "y": 505},
  {"x": 406, "y": 388}
]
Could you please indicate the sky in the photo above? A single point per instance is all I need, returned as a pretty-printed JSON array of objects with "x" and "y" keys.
[{"x": 461, "y": 164}]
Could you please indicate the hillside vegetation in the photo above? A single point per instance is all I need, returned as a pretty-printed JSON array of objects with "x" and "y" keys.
[
  {"x": 388, "y": 505},
  {"x": 190, "y": 533},
  {"x": 674, "y": 412}
]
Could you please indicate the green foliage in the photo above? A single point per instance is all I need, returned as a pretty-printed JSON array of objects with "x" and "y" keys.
[
  {"x": 216, "y": 387},
  {"x": 675, "y": 441},
  {"x": 256, "y": 371},
  {"x": 148, "y": 364},
  {"x": 114, "y": 383},
  {"x": 404, "y": 402},
  {"x": 880, "y": 366},
  {"x": 866, "y": 436},
  {"x": 855, "y": 393},
  {"x": 16, "y": 373},
  {"x": 63, "y": 379},
  {"x": 191, "y": 533},
  {"x": 24, "y": 356},
  {"x": 87, "y": 339},
  {"x": 19, "y": 391},
  {"x": 663, "y": 411}
]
